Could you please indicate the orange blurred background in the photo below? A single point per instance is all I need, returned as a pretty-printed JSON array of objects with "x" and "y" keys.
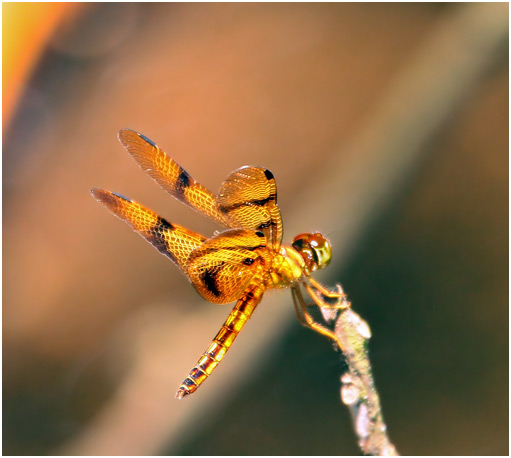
[{"x": 386, "y": 126}]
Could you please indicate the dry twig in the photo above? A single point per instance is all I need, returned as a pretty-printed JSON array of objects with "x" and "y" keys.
[{"x": 358, "y": 390}]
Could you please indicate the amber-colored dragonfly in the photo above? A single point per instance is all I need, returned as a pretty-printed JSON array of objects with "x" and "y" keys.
[{"x": 238, "y": 264}]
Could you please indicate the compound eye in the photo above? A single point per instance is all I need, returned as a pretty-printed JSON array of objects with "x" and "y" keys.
[
  {"x": 314, "y": 249},
  {"x": 322, "y": 249}
]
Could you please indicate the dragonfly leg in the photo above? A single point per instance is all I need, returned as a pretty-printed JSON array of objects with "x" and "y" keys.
[
  {"x": 222, "y": 341},
  {"x": 306, "y": 319},
  {"x": 339, "y": 304},
  {"x": 326, "y": 292}
]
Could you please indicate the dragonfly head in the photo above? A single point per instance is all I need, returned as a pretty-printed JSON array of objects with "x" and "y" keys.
[{"x": 315, "y": 250}]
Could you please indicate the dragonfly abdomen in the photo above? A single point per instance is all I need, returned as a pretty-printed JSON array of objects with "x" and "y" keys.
[{"x": 239, "y": 315}]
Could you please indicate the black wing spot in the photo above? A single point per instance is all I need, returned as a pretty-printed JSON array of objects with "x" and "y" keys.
[
  {"x": 163, "y": 223},
  {"x": 248, "y": 261},
  {"x": 208, "y": 277},
  {"x": 268, "y": 174},
  {"x": 183, "y": 181}
]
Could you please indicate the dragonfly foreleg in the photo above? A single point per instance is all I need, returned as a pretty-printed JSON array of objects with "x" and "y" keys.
[
  {"x": 326, "y": 292},
  {"x": 222, "y": 341},
  {"x": 340, "y": 302}
]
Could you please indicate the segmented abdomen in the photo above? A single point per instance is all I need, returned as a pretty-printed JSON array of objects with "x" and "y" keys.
[{"x": 222, "y": 341}]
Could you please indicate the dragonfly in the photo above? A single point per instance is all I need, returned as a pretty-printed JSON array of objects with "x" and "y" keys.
[{"x": 238, "y": 264}]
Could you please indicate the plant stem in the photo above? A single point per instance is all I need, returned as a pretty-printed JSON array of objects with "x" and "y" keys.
[{"x": 358, "y": 390}]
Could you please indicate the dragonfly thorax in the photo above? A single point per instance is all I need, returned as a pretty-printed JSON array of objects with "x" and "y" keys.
[{"x": 287, "y": 266}]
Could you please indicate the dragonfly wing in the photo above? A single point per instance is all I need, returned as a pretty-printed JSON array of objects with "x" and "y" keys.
[
  {"x": 169, "y": 174},
  {"x": 172, "y": 240},
  {"x": 248, "y": 200},
  {"x": 222, "y": 267}
]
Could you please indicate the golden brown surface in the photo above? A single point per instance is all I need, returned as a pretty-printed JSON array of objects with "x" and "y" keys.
[{"x": 238, "y": 264}]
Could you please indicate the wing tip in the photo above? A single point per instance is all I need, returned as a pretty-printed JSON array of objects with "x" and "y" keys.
[
  {"x": 98, "y": 194},
  {"x": 126, "y": 136},
  {"x": 107, "y": 197}
]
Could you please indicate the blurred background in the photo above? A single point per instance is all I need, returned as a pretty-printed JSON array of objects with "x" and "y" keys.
[{"x": 386, "y": 126}]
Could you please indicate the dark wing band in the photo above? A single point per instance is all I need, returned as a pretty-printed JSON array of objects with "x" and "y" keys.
[
  {"x": 175, "y": 242},
  {"x": 248, "y": 200},
  {"x": 222, "y": 267},
  {"x": 169, "y": 174}
]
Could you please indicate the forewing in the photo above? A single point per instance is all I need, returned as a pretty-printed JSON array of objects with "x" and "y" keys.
[
  {"x": 222, "y": 267},
  {"x": 169, "y": 174},
  {"x": 175, "y": 242},
  {"x": 248, "y": 200}
]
